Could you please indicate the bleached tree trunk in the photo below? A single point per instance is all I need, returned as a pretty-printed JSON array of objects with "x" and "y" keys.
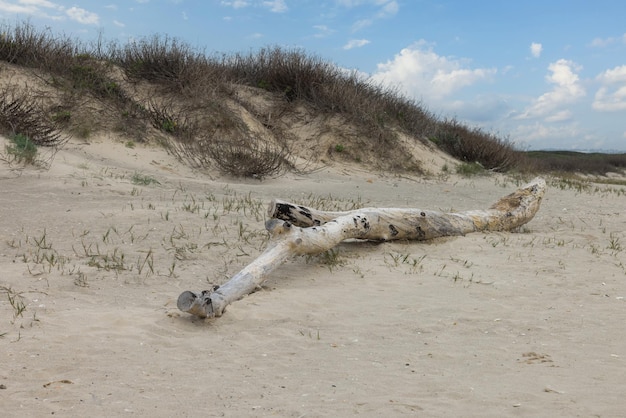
[{"x": 297, "y": 230}]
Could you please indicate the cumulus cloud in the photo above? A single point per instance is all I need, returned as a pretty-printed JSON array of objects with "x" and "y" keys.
[
  {"x": 489, "y": 109},
  {"x": 82, "y": 16},
  {"x": 422, "y": 73},
  {"x": 611, "y": 96},
  {"x": 615, "y": 75},
  {"x": 537, "y": 135},
  {"x": 356, "y": 43},
  {"x": 567, "y": 89},
  {"x": 535, "y": 49}
]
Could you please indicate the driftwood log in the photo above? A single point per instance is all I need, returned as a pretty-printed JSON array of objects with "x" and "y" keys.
[{"x": 297, "y": 230}]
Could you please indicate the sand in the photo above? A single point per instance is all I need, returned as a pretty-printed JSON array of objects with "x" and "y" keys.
[{"x": 98, "y": 248}]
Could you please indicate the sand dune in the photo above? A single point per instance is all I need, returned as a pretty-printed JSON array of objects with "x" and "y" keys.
[{"x": 98, "y": 247}]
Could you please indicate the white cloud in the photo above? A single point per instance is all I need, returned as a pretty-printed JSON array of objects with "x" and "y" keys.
[
  {"x": 604, "y": 42},
  {"x": 538, "y": 135},
  {"x": 386, "y": 9},
  {"x": 31, "y": 7},
  {"x": 119, "y": 24},
  {"x": 448, "y": 80},
  {"x": 601, "y": 42},
  {"x": 610, "y": 101},
  {"x": 361, "y": 24},
  {"x": 389, "y": 9},
  {"x": 423, "y": 74},
  {"x": 276, "y": 6},
  {"x": 535, "y": 49},
  {"x": 237, "y": 4},
  {"x": 349, "y": 4},
  {"x": 356, "y": 43},
  {"x": 482, "y": 109},
  {"x": 322, "y": 31},
  {"x": 567, "y": 90},
  {"x": 559, "y": 116},
  {"x": 40, "y": 3},
  {"x": 615, "y": 75},
  {"x": 185, "y": 16},
  {"x": 16, "y": 8},
  {"x": 611, "y": 96},
  {"x": 82, "y": 16}
]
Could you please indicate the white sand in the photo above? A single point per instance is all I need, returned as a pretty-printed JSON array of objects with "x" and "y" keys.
[{"x": 488, "y": 325}]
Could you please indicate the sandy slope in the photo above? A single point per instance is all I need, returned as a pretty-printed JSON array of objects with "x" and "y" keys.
[{"x": 487, "y": 325}]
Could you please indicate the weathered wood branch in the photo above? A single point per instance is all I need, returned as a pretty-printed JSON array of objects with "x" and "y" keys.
[{"x": 297, "y": 230}]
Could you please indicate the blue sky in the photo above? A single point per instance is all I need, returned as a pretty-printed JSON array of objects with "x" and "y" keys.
[{"x": 546, "y": 74}]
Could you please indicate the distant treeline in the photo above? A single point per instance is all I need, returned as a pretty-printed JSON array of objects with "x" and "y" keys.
[{"x": 576, "y": 162}]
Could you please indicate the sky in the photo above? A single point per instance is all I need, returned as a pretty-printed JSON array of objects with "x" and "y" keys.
[{"x": 547, "y": 74}]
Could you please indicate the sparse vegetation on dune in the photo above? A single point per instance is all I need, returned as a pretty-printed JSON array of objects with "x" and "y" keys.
[{"x": 247, "y": 115}]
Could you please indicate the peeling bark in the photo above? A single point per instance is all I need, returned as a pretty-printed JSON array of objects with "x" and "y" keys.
[{"x": 297, "y": 230}]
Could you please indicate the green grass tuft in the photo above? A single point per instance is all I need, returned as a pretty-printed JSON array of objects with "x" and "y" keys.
[{"x": 22, "y": 149}]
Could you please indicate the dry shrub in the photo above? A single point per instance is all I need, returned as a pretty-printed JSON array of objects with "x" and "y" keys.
[
  {"x": 473, "y": 145},
  {"x": 27, "y": 46},
  {"x": 327, "y": 88},
  {"x": 290, "y": 72},
  {"x": 212, "y": 135},
  {"x": 181, "y": 133},
  {"x": 248, "y": 157},
  {"x": 165, "y": 61},
  {"x": 22, "y": 113},
  {"x": 239, "y": 157}
]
